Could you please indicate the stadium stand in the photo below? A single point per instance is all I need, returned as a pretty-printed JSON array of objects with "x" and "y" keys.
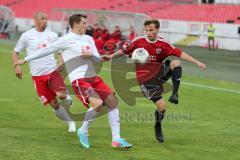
[
  {"x": 162, "y": 9},
  {"x": 9, "y": 3},
  {"x": 201, "y": 13}
]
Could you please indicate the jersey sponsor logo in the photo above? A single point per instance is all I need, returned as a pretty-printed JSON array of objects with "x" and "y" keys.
[
  {"x": 158, "y": 50},
  {"x": 40, "y": 46}
]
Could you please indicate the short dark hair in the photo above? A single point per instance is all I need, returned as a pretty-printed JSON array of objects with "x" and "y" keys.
[
  {"x": 152, "y": 21},
  {"x": 75, "y": 18}
]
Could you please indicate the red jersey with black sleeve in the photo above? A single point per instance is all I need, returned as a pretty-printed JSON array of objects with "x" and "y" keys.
[{"x": 158, "y": 52}]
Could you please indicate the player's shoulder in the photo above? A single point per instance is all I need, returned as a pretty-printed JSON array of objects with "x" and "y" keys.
[
  {"x": 138, "y": 38},
  {"x": 49, "y": 32},
  {"x": 65, "y": 37},
  {"x": 29, "y": 32},
  {"x": 166, "y": 42},
  {"x": 161, "y": 39},
  {"x": 87, "y": 37}
]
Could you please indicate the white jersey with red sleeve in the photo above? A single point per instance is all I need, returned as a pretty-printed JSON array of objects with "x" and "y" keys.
[
  {"x": 71, "y": 46},
  {"x": 34, "y": 42},
  {"x": 158, "y": 51}
]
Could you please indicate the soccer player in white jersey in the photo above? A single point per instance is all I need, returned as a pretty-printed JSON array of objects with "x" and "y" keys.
[
  {"x": 47, "y": 81},
  {"x": 88, "y": 87}
]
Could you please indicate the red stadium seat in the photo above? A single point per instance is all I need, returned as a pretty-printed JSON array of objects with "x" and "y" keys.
[{"x": 161, "y": 10}]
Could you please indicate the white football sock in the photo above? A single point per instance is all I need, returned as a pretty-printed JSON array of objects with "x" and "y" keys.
[
  {"x": 88, "y": 119},
  {"x": 68, "y": 95},
  {"x": 71, "y": 126},
  {"x": 114, "y": 122}
]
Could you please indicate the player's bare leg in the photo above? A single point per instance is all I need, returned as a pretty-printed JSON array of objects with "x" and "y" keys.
[
  {"x": 65, "y": 97},
  {"x": 90, "y": 116},
  {"x": 159, "y": 116},
  {"x": 61, "y": 95},
  {"x": 61, "y": 113},
  {"x": 114, "y": 122},
  {"x": 176, "y": 68}
]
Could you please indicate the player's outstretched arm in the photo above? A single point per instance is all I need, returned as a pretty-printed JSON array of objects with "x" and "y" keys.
[
  {"x": 189, "y": 58},
  {"x": 109, "y": 57},
  {"x": 18, "y": 69},
  {"x": 20, "y": 62},
  {"x": 58, "y": 45},
  {"x": 45, "y": 52},
  {"x": 123, "y": 50}
]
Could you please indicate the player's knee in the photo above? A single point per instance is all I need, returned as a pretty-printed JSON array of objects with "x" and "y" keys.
[
  {"x": 113, "y": 104},
  {"x": 175, "y": 63},
  {"x": 54, "y": 104},
  {"x": 97, "y": 105},
  {"x": 161, "y": 105},
  {"x": 162, "y": 108},
  {"x": 111, "y": 101},
  {"x": 61, "y": 96}
]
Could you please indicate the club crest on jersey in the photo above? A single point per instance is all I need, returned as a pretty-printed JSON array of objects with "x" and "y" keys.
[{"x": 158, "y": 50}]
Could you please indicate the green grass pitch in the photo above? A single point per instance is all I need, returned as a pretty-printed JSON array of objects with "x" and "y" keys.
[{"x": 205, "y": 125}]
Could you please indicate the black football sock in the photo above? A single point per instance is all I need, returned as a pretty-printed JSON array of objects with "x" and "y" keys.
[
  {"x": 159, "y": 115},
  {"x": 176, "y": 78}
]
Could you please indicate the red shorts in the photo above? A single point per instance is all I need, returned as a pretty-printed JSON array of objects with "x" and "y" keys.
[
  {"x": 85, "y": 87},
  {"x": 47, "y": 86}
]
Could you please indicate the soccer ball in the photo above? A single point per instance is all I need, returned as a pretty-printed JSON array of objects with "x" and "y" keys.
[{"x": 140, "y": 55}]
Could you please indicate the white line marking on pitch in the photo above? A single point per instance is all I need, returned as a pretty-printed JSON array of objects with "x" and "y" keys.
[
  {"x": 5, "y": 50},
  {"x": 210, "y": 87},
  {"x": 196, "y": 85},
  {"x": 6, "y": 100}
]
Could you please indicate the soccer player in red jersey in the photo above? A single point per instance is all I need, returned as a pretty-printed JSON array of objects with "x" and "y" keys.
[{"x": 157, "y": 70}]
